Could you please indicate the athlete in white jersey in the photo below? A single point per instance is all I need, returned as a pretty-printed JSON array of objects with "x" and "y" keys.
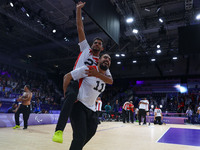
[
  {"x": 83, "y": 117},
  {"x": 158, "y": 116},
  {"x": 143, "y": 108},
  {"x": 88, "y": 56}
]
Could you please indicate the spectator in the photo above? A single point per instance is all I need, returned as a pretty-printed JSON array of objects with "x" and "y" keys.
[
  {"x": 0, "y": 107},
  {"x": 198, "y": 112},
  {"x": 108, "y": 108},
  {"x": 116, "y": 110},
  {"x": 125, "y": 112},
  {"x": 189, "y": 114},
  {"x": 13, "y": 108},
  {"x": 158, "y": 116},
  {"x": 37, "y": 107}
]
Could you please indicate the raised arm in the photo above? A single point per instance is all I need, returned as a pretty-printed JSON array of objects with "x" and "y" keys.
[
  {"x": 95, "y": 73},
  {"x": 79, "y": 22}
]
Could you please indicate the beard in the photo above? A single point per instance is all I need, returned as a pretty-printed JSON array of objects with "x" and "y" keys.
[
  {"x": 95, "y": 50},
  {"x": 103, "y": 67}
]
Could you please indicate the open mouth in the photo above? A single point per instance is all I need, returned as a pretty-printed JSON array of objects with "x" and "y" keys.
[{"x": 106, "y": 62}]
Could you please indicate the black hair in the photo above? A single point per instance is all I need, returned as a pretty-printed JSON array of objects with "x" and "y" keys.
[
  {"x": 98, "y": 38},
  {"x": 102, "y": 53},
  {"x": 0, "y": 102},
  {"x": 28, "y": 86}
]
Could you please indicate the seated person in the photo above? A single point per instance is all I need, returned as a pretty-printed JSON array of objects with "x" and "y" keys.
[{"x": 158, "y": 116}]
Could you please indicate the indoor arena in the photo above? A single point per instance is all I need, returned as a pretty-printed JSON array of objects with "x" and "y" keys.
[{"x": 99, "y": 74}]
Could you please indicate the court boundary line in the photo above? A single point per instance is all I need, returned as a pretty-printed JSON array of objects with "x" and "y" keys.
[{"x": 163, "y": 135}]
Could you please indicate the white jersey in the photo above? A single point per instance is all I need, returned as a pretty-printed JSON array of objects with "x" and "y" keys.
[
  {"x": 86, "y": 58},
  {"x": 144, "y": 106},
  {"x": 136, "y": 111},
  {"x": 89, "y": 87},
  {"x": 98, "y": 105},
  {"x": 158, "y": 111},
  {"x": 126, "y": 106}
]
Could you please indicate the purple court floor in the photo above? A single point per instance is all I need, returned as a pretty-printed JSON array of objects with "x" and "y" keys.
[{"x": 181, "y": 136}]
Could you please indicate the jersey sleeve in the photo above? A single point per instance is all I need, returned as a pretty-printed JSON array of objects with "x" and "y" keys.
[
  {"x": 79, "y": 73},
  {"x": 84, "y": 45}
]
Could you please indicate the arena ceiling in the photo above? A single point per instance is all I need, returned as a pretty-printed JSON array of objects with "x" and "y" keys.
[{"x": 22, "y": 35}]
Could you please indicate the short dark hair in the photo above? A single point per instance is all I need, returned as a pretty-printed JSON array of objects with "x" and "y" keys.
[
  {"x": 0, "y": 102},
  {"x": 103, "y": 54},
  {"x": 28, "y": 86},
  {"x": 98, "y": 38}
]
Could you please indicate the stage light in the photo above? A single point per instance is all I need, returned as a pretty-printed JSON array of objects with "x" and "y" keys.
[
  {"x": 29, "y": 56},
  {"x": 27, "y": 15},
  {"x": 160, "y": 106},
  {"x": 66, "y": 39},
  {"x": 129, "y": 20},
  {"x": 158, "y": 51},
  {"x": 117, "y": 55},
  {"x": 153, "y": 59},
  {"x": 134, "y": 61},
  {"x": 152, "y": 106},
  {"x": 198, "y": 17},
  {"x": 54, "y": 31},
  {"x": 174, "y": 58},
  {"x": 135, "y": 31},
  {"x": 123, "y": 55},
  {"x": 160, "y": 19},
  {"x": 11, "y": 4},
  {"x": 119, "y": 62},
  {"x": 158, "y": 46}
]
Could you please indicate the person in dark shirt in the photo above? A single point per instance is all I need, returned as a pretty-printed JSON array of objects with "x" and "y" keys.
[
  {"x": 116, "y": 110},
  {"x": 13, "y": 108}
]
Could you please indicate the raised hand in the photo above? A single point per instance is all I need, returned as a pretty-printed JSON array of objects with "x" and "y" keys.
[
  {"x": 92, "y": 72},
  {"x": 80, "y": 5}
]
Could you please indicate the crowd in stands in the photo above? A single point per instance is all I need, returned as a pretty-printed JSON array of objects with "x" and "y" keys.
[
  {"x": 12, "y": 81},
  {"x": 171, "y": 102},
  {"x": 47, "y": 97}
]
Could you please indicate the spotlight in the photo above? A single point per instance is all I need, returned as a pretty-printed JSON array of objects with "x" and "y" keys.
[
  {"x": 158, "y": 46},
  {"x": 134, "y": 61},
  {"x": 117, "y": 55},
  {"x": 152, "y": 106},
  {"x": 56, "y": 66},
  {"x": 11, "y": 4},
  {"x": 135, "y": 31},
  {"x": 54, "y": 31},
  {"x": 123, "y": 55},
  {"x": 153, "y": 59},
  {"x": 119, "y": 62},
  {"x": 83, "y": 18},
  {"x": 174, "y": 58},
  {"x": 29, "y": 56},
  {"x": 27, "y": 15},
  {"x": 160, "y": 19},
  {"x": 160, "y": 106},
  {"x": 198, "y": 17},
  {"x": 129, "y": 20},
  {"x": 66, "y": 39},
  {"x": 158, "y": 51}
]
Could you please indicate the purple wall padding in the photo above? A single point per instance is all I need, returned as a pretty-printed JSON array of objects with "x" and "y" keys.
[
  {"x": 8, "y": 120},
  {"x": 169, "y": 120}
]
